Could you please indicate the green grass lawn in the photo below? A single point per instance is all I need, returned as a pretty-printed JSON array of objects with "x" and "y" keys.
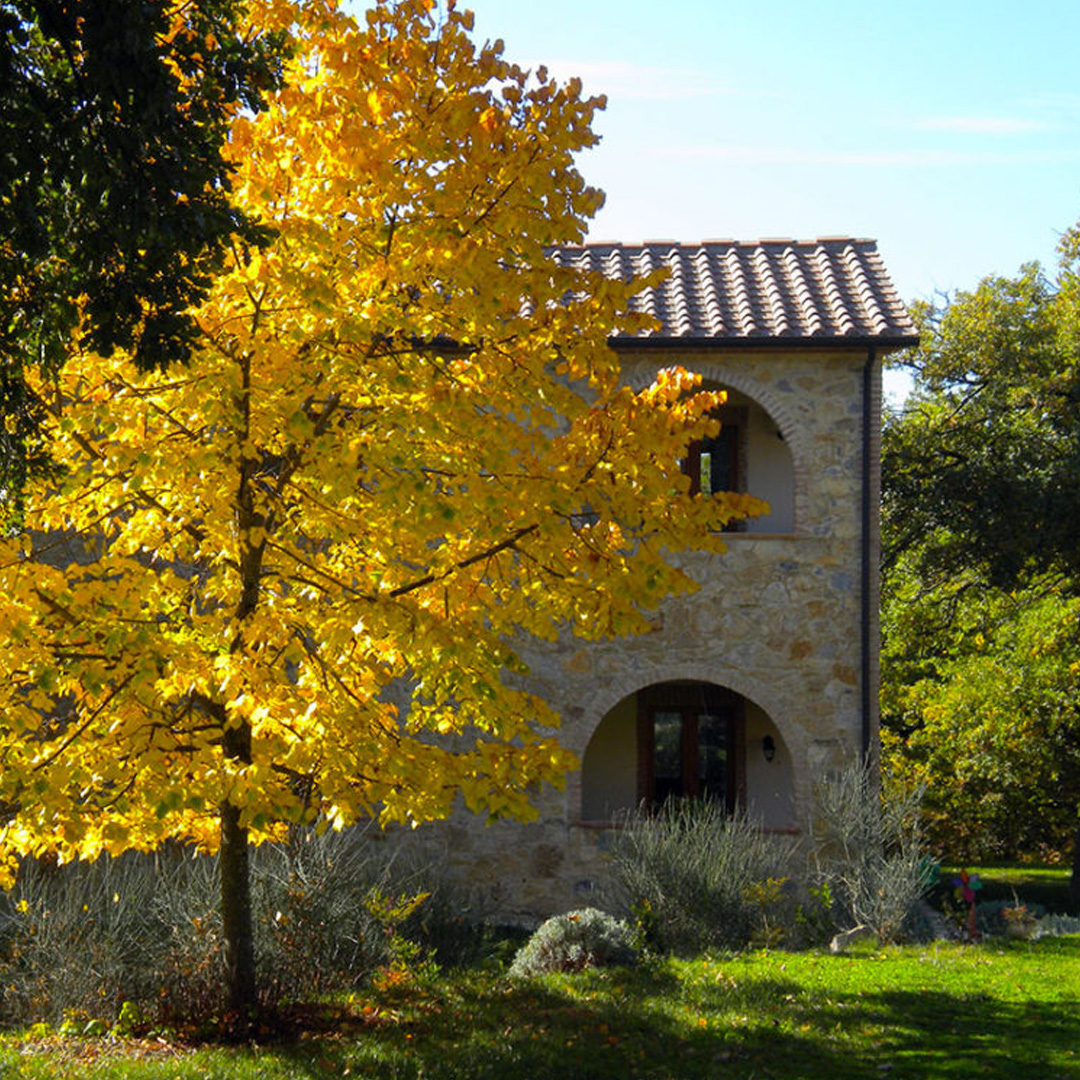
[{"x": 939, "y": 1011}]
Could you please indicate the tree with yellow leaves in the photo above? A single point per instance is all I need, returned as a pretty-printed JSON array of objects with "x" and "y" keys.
[{"x": 283, "y": 584}]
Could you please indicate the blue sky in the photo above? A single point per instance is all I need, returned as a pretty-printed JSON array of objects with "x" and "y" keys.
[{"x": 947, "y": 130}]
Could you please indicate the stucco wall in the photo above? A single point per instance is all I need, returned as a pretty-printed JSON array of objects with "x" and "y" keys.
[{"x": 609, "y": 765}]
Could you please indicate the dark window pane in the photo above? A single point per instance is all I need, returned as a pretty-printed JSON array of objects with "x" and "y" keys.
[
  {"x": 712, "y": 756},
  {"x": 687, "y": 743},
  {"x": 718, "y": 466},
  {"x": 667, "y": 754}
]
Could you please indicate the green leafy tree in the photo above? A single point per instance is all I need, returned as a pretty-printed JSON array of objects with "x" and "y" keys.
[
  {"x": 981, "y": 467},
  {"x": 981, "y": 708},
  {"x": 981, "y": 526},
  {"x": 115, "y": 203}
]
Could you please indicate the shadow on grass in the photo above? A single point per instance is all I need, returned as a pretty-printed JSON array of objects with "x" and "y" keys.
[
  {"x": 927, "y": 1034},
  {"x": 1003, "y": 1011},
  {"x": 649, "y": 1024}
]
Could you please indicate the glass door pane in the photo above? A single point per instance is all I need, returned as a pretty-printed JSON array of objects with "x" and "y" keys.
[
  {"x": 667, "y": 755},
  {"x": 712, "y": 756}
]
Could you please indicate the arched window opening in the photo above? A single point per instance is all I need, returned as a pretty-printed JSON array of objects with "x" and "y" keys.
[
  {"x": 748, "y": 455},
  {"x": 684, "y": 739}
]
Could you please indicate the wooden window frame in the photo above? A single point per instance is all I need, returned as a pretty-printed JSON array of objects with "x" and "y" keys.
[
  {"x": 730, "y": 417},
  {"x": 733, "y": 418},
  {"x": 692, "y": 700}
]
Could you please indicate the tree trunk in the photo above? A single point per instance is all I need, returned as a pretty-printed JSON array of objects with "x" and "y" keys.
[
  {"x": 236, "y": 744},
  {"x": 236, "y": 920},
  {"x": 236, "y": 915}
]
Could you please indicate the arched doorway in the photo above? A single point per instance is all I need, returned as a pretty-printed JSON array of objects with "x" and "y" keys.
[{"x": 687, "y": 739}]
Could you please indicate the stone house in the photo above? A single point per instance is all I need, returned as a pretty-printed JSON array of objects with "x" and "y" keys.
[{"x": 766, "y": 678}]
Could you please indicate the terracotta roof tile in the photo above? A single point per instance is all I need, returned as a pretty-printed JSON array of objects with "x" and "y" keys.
[{"x": 833, "y": 289}]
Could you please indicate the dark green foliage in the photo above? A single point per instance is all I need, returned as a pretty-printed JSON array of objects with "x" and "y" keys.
[
  {"x": 981, "y": 531},
  {"x": 115, "y": 196},
  {"x": 990, "y": 723},
  {"x": 979, "y": 470}
]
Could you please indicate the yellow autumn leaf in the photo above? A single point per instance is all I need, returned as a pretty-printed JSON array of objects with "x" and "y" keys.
[
  {"x": 301, "y": 564},
  {"x": 375, "y": 106}
]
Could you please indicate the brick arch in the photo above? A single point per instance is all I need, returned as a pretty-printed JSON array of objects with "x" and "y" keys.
[
  {"x": 640, "y": 375},
  {"x": 729, "y": 678}
]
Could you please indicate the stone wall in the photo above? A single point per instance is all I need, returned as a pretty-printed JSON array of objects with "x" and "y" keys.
[{"x": 778, "y": 619}]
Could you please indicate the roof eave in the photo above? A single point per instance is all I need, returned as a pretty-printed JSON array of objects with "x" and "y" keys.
[{"x": 882, "y": 342}]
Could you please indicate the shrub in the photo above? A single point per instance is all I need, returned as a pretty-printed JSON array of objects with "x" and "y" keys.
[
  {"x": 573, "y": 942},
  {"x": 868, "y": 851},
  {"x": 79, "y": 939},
  {"x": 698, "y": 879},
  {"x": 994, "y": 918},
  {"x": 86, "y": 938},
  {"x": 1054, "y": 925},
  {"x": 317, "y": 902}
]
